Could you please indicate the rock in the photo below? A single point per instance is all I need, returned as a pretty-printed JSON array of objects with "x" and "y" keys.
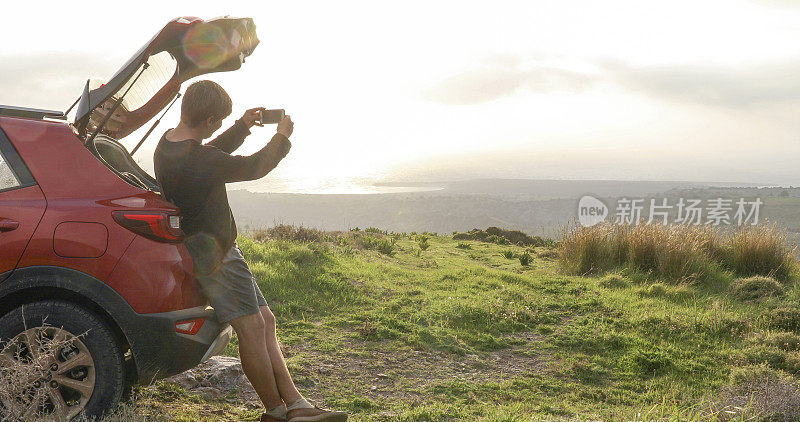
[
  {"x": 382, "y": 376},
  {"x": 216, "y": 378}
]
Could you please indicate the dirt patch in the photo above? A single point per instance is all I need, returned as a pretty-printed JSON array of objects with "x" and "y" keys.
[
  {"x": 371, "y": 369},
  {"x": 380, "y": 372}
]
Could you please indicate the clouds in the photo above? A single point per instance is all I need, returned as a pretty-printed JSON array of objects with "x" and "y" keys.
[
  {"x": 49, "y": 79},
  {"x": 732, "y": 86},
  {"x": 490, "y": 82},
  {"x": 725, "y": 86}
]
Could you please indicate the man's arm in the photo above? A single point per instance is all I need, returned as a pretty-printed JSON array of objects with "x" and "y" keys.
[
  {"x": 233, "y": 138},
  {"x": 220, "y": 167}
]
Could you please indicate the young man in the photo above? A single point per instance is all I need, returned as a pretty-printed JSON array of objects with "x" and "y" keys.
[{"x": 193, "y": 177}]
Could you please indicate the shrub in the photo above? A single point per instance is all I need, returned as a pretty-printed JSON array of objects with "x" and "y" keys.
[
  {"x": 508, "y": 254},
  {"x": 525, "y": 259},
  {"x": 515, "y": 237},
  {"x": 755, "y": 288},
  {"x": 462, "y": 245}
]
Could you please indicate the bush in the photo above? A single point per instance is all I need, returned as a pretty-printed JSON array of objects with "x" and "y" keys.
[
  {"x": 508, "y": 254},
  {"x": 515, "y": 237},
  {"x": 755, "y": 288},
  {"x": 525, "y": 259},
  {"x": 462, "y": 245}
]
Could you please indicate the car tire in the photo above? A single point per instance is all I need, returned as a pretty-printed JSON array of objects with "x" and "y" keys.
[{"x": 104, "y": 371}]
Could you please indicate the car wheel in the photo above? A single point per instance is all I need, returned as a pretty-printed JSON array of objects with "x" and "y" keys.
[{"x": 57, "y": 360}]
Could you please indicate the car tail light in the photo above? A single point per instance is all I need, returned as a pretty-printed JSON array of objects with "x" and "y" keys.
[
  {"x": 158, "y": 226},
  {"x": 190, "y": 327}
]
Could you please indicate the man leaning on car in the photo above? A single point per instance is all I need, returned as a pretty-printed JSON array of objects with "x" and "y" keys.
[{"x": 193, "y": 177}]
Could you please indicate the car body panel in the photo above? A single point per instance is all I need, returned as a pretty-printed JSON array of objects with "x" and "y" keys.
[
  {"x": 26, "y": 207},
  {"x": 158, "y": 350},
  {"x": 197, "y": 47},
  {"x": 165, "y": 283}
]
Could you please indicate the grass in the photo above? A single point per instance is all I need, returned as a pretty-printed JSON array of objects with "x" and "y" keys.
[
  {"x": 463, "y": 333},
  {"x": 460, "y": 332}
]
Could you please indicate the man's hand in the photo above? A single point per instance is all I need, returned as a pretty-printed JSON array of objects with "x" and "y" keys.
[
  {"x": 252, "y": 117},
  {"x": 286, "y": 126}
]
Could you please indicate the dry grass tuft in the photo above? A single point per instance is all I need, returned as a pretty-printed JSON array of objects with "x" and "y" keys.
[
  {"x": 23, "y": 396},
  {"x": 677, "y": 253}
]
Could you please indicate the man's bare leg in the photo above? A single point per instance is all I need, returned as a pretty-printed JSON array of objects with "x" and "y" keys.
[
  {"x": 286, "y": 387},
  {"x": 250, "y": 329}
]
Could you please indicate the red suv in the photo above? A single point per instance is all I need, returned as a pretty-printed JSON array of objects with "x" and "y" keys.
[{"x": 97, "y": 290}]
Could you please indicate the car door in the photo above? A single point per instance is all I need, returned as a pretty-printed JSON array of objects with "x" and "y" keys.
[{"x": 22, "y": 205}]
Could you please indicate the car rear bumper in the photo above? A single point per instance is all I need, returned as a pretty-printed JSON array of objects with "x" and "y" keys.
[{"x": 159, "y": 351}]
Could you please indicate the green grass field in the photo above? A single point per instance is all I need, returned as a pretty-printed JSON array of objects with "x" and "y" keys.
[{"x": 463, "y": 331}]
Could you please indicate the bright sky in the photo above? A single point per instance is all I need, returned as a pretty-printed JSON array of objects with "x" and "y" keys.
[{"x": 679, "y": 90}]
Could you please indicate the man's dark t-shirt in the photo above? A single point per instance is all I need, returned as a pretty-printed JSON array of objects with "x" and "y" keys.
[{"x": 193, "y": 177}]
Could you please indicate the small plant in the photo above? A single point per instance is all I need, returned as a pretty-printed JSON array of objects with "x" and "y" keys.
[
  {"x": 355, "y": 229},
  {"x": 422, "y": 241},
  {"x": 525, "y": 259},
  {"x": 384, "y": 246},
  {"x": 462, "y": 245},
  {"x": 508, "y": 254},
  {"x": 375, "y": 230}
]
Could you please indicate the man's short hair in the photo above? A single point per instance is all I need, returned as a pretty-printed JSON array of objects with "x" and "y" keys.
[{"x": 204, "y": 99}]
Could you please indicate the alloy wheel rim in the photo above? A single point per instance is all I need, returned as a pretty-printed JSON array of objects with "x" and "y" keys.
[{"x": 54, "y": 374}]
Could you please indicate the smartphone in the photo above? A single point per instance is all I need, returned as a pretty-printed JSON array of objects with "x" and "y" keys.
[{"x": 272, "y": 116}]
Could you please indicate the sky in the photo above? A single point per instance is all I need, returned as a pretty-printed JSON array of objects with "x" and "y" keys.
[{"x": 447, "y": 90}]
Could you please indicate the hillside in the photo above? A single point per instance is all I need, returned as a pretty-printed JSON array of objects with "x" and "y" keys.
[{"x": 460, "y": 332}]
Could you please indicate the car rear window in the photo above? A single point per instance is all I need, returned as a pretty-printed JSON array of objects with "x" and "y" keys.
[
  {"x": 7, "y": 178},
  {"x": 13, "y": 172}
]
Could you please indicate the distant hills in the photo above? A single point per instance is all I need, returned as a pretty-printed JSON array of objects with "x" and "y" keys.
[{"x": 537, "y": 207}]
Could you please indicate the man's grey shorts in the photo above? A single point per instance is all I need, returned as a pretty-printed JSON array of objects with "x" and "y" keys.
[{"x": 232, "y": 289}]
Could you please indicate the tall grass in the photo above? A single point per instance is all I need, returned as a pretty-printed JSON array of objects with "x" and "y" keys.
[{"x": 676, "y": 252}]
